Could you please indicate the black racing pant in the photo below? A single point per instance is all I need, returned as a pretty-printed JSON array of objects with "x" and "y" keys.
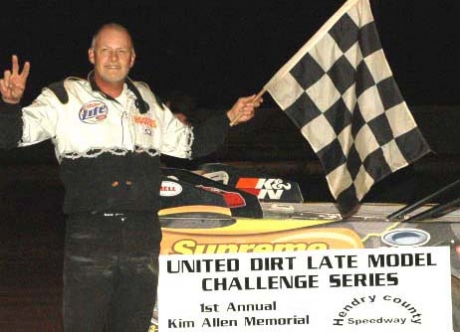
[{"x": 110, "y": 272}]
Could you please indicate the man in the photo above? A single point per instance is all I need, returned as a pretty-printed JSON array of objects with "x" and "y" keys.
[
  {"x": 183, "y": 106},
  {"x": 108, "y": 132}
]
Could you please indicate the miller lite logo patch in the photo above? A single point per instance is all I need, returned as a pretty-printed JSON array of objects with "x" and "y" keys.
[{"x": 93, "y": 112}]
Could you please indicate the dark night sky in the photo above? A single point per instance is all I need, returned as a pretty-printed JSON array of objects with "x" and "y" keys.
[{"x": 218, "y": 50}]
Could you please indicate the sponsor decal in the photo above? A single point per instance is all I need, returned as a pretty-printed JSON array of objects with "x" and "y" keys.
[
  {"x": 233, "y": 199},
  {"x": 169, "y": 189},
  {"x": 243, "y": 238},
  {"x": 93, "y": 112},
  {"x": 263, "y": 188},
  {"x": 146, "y": 121},
  {"x": 193, "y": 247}
]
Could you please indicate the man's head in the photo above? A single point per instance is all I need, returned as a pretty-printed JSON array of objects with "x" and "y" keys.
[{"x": 112, "y": 54}]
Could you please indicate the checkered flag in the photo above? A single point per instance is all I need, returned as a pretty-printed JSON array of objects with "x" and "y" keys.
[{"x": 340, "y": 91}]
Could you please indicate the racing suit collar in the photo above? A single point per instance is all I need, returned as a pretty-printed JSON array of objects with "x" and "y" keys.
[{"x": 140, "y": 102}]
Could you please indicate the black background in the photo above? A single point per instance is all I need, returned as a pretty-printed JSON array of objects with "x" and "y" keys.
[{"x": 218, "y": 50}]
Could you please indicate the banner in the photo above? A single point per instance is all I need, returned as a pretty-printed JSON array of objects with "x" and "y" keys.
[{"x": 321, "y": 290}]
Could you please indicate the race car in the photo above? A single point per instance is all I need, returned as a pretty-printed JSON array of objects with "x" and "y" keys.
[{"x": 223, "y": 209}]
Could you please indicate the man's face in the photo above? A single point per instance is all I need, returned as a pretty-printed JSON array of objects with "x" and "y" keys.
[{"x": 112, "y": 55}]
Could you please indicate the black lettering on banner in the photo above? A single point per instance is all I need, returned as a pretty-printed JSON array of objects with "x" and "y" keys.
[
  {"x": 203, "y": 265},
  {"x": 272, "y": 263},
  {"x": 401, "y": 260},
  {"x": 363, "y": 280},
  {"x": 259, "y": 283},
  {"x": 332, "y": 262}
]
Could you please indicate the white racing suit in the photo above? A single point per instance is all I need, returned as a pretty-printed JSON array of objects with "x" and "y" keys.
[
  {"x": 100, "y": 142},
  {"x": 108, "y": 152}
]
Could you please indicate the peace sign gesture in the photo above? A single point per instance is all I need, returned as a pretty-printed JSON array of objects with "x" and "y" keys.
[{"x": 13, "y": 83}]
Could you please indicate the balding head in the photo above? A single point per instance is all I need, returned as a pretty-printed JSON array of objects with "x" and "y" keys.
[{"x": 111, "y": 26}]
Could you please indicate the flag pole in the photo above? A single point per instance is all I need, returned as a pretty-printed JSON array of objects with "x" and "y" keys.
[{"x": 258, "y": 96}]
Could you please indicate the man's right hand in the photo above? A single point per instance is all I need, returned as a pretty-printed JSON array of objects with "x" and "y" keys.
[{"x": 13, "y": 83}]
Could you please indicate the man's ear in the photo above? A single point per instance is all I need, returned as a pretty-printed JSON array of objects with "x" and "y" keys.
[
  {"x": 133, "y": 59},
  {"x": 91, "y": 55}
]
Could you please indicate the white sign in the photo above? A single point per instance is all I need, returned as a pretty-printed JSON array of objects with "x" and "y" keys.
[{"x": 383, "y": 289}]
